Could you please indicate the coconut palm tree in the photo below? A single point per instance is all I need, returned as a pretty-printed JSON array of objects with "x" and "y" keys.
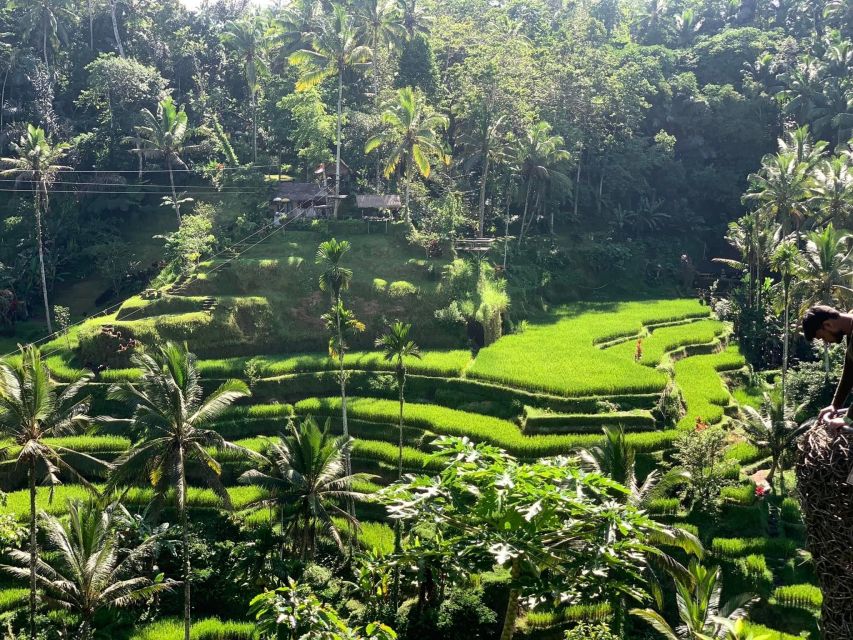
[
  {"x": 698, "y": 598},
  {"x": 787, "y": 262},
  {"x": 336, "y": 47},
  {"x": 755, "y": 241},
  {"x": 36, "y": 164},
  {"x": 171, "y": 416},
  {"x": 616, "y": 459},
  {"x": 537, "y": 155},
  {"x": 773, "y": 429},
  {"x": 382, "y": 26},
  {"x": 163, "y": 137},
  {"x": 305, "y": 478},
  {"x": 411, "y": 130},
  {"x": 782, "y": 189},
  {"x": 415, "y": 19},
  {"x": 47, "y": 19},
  {"x": 248, "y": 38},
  {"x": 89, "y": 570},
  {"x": 483, "y": 143},
  {"x": 834, "y": 189},
  {"x": 32, "y": 410}
]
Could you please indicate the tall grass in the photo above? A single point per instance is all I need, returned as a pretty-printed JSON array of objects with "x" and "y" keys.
[{"x": 561, "y": 356}]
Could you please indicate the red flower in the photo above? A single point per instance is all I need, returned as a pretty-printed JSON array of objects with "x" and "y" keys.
[{"x": 760, "y": 491}]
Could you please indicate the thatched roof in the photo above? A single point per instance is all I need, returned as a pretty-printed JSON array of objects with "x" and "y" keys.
[
  {"x": 378, "y": 201},
  {"x": 328, "y": 169},
  {"x": 299, "y": 191}
]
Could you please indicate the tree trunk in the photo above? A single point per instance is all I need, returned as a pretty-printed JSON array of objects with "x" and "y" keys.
[
  {"x": 42, "y": 202},
  {"x": 91, "y": 26},
  {"x": 33, "y": 550},
  {"x": 44, "y": 45},
  {"x": 825, "y": 363},
  {"x": 407, "y": 214},
  {"x": 174, "y": 193},
  {"x": 255, "y": 126},
  {"x": 524, "y": 215},
  {"x": 3, "y": 95},
  {"x": 113, "y": 4},
  {"x": 338, "y": 143},
  {"x": 512, "y": 604},
  {"x": 185, "y": 534},
  {"x": 578, "y": 183},
  {"x": 600, "y": 190},
  {"x": 343, "y": 380},
  {"x": 785, "y": 343},
  {"x": 483, "y": 180},
  {"x": 375, "y": 67}
]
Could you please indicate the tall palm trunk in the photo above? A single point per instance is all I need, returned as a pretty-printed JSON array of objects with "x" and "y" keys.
[
  {"x": 524, "y": 215},
  {"x": 483, "y": 180},
  {"x": 375, "y": 67},
  {"x": 174, "y": 193},
  {"x": 41, "y": 202},
  {"x": 185, "y": 539},
  {"x": 343, "y": 381},
  {"x": 338, "y": 145},
  {"x": 409, "y": 161},
  {"x": 33, "y": 550},
  {"x": 44, "y": 45},
  {"x": 578, "y": 183},
  {"x": 398, "y": 530},
  {"x": 113, "y": 6},
  {"x": 255, "y": 125},
  {"x": 91, "y": 26},
  {"x": 787, "y": 328},
  {"x": 511, "y": 615},
  {"x": 3, "y": 94}
]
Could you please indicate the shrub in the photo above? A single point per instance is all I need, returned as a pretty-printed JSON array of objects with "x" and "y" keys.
[
  {"x": 700, "y": 454},
  {"x": 591, "y": 632},
  {"x": 805, "y": 596},
  {"x": 401, "y": 289}
]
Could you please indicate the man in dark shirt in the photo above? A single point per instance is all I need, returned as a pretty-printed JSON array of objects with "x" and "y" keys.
[{"x": 831, "y": 325}]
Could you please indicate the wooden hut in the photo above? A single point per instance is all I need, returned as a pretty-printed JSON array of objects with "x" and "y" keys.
[
  {"x": 305, "y": 200},
  {"x": 377, "y": 208}
]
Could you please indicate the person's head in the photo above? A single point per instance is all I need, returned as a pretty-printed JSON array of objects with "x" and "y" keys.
[{"x": 823, "y": 322}]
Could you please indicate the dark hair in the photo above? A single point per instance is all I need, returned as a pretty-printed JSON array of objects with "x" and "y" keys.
[{"x": 814, "y": 318}]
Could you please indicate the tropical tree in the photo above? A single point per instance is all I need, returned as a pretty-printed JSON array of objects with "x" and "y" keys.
[
  {"x": 248, "y": 38},
  {"x": 787, "y": 262},
  {"x": 415, "y": 19},
  {"x": 483, "y": 142},
  {"x": 36, "y": 165},
  {"x": 536, "y": 155},
  {"x": 755, "y": 241},
  {"x": 171, "y": 416},
  {"x": 782, "y": 189},
  {"x": 381, "y": 25},
  {"x": 411, "y": 130},
  {"x": 305, "y": 478},
  {"x": 46, "y": 19},
  {"x": 397, "y": 347},
  {"x": 833, "y": 189},
  {"x": 336, "y": 47},
  {"x": 90, "y": 570},
  {"x": 616, "y": 459},
  {"x": 335, "y": 279},
  {"x": 33, "y": 410},
  {"x": 773, "y": 429},
  {"x": 698, "y": 598},
  {"x": 163, "y": 137}
]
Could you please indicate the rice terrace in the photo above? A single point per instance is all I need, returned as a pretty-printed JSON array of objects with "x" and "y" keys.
[{"x": 406, "y": 319}]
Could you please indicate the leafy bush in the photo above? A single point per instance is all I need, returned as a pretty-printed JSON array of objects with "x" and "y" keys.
[
  {"x": 401, "y": 289},
  {"x": 700, "y": 454},
  {"x": 591, "y": 632},
  {"x": 806, "y": 596}
]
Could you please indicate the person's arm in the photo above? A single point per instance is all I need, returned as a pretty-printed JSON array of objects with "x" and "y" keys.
[{"x": 844, "y": 385}]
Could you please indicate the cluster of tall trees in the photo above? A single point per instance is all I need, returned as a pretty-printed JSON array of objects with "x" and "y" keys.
[{"x": 632, "y": 122}]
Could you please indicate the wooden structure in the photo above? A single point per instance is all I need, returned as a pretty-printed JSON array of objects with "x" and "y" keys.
[
  {"x": 325, "y": 173},
  {"x": 478, "y": 247},
  {"x": 378, "y": 206},
  {"x": 300, "y": 199}
]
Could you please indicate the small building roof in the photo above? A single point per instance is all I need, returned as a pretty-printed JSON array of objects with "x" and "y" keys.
[
  {"x": 328, "y": 169},
  {"x": 367, "y": 201},
  {"x": 300, "y": 191}
]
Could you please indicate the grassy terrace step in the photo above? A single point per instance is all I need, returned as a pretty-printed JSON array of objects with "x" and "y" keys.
[
  {"x": 704, "y": 391},
  {"x": 501, "y": 433},
  {"x": 561, "y": 357},
  {"x": 541, "y": 421},
  {"x": 206, "y": 629},
  {"x": 669, "y": 338},
  {"x": 436, "y": 363}
]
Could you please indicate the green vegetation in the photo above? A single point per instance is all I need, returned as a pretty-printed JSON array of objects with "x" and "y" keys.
[{"x": 704, "y": 393}]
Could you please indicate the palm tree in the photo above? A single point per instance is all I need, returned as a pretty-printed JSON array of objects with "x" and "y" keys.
[
  {"x": 834, "y": 189},
  {"x": 32, "y": 409},
  {"x": 163, "y": 137},
  {"x": 698, "y": 598},
  {"x": 247, "y": 36},
  {"x": 415, "y": 19},
  {"x": 483, "y": 143},
  {"x": 89, "y": 570},
  {"x": 755, "y": 241},
  {"x": 46, "y": 17},
  {"x": 411, "y": 130},
  {"x": 782, "y": 189},
  {"x": 536, "y": 155},
  {"x": 305, "y": 477},
  {"x": 171, "y": 415},
  {"x": 36, "y": 164},
  {"x": 774, "y": 429},
  {"x": 616, "y": 459},
  {"x": 787, "y": 262},
  {"x": 335, "y": 47}
]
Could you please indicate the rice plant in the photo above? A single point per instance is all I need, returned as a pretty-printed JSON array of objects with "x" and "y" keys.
[
  {"x": 704, "y": 391},
  {"x": 805, "y": 596},
  {"x": 206, "y": 629}
]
